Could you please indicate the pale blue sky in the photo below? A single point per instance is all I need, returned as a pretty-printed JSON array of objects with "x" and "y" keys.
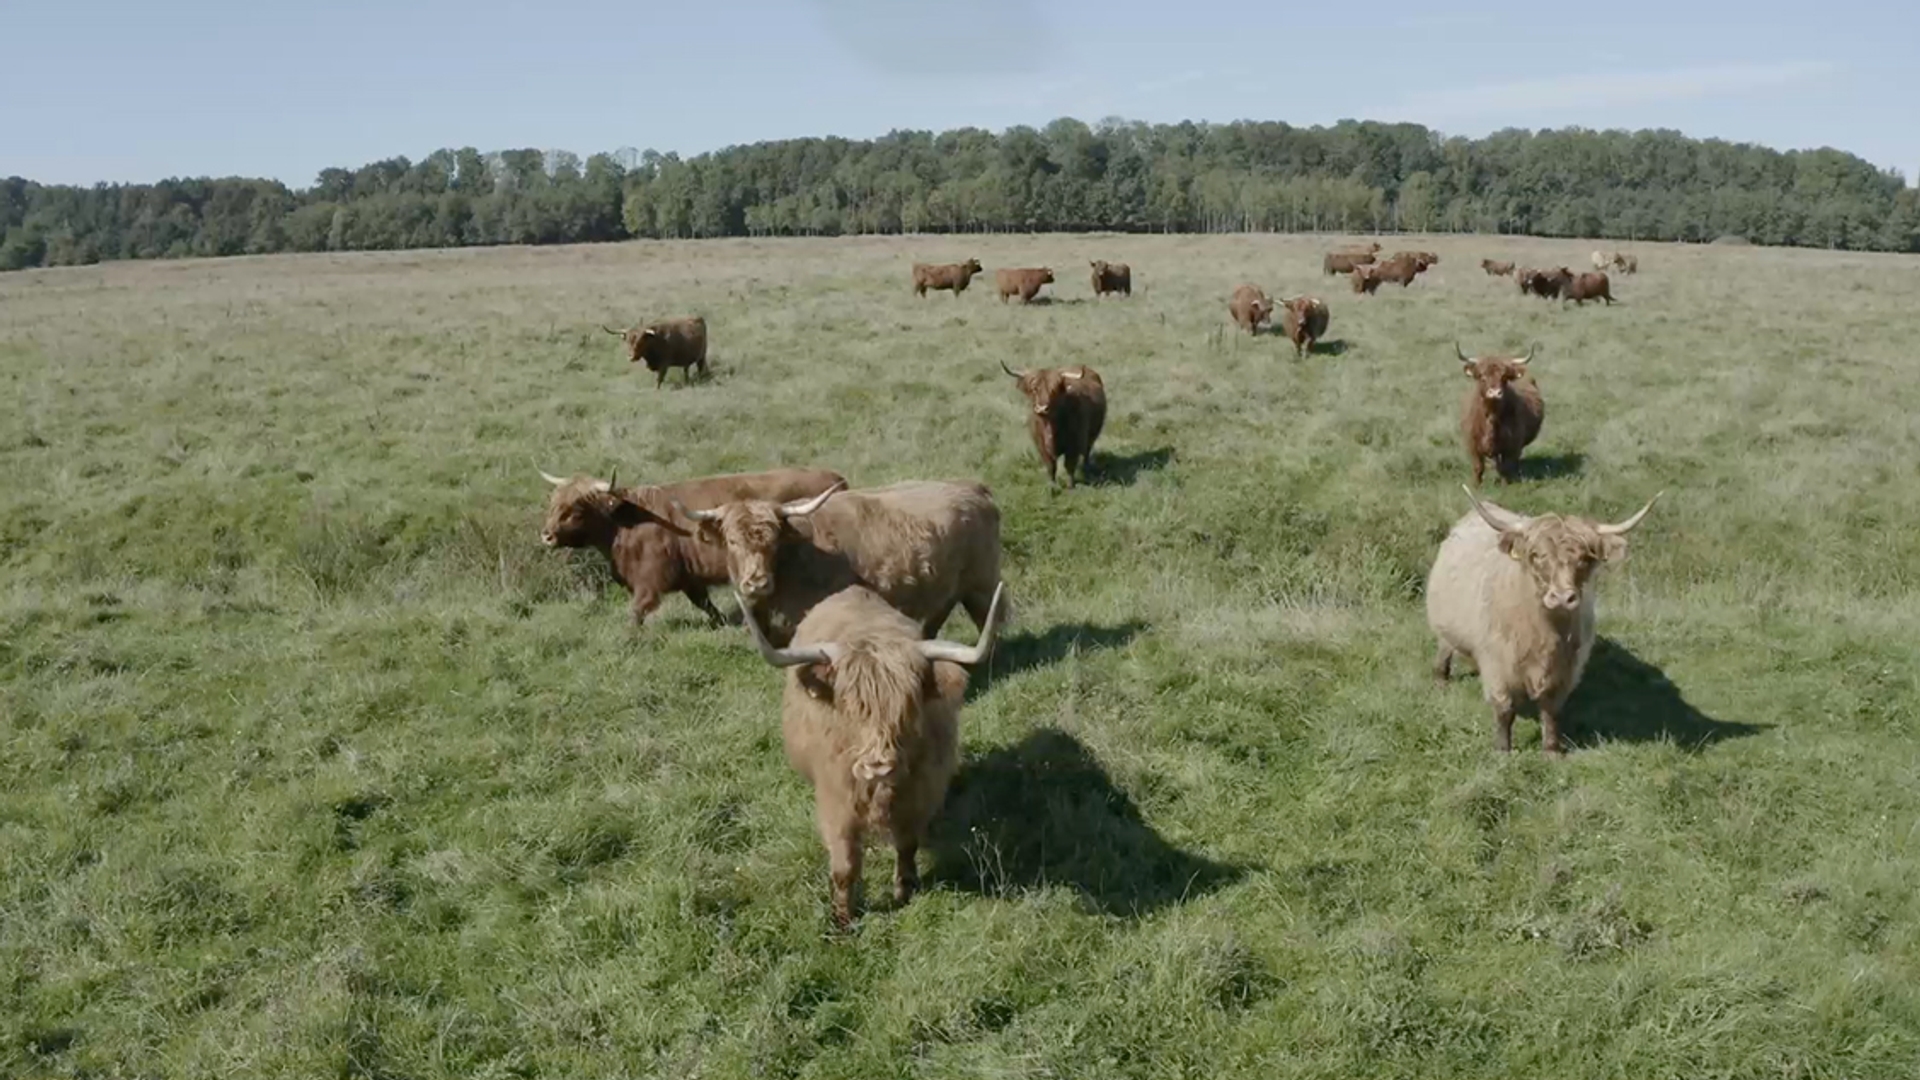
[{"x": 123, "y": 90}]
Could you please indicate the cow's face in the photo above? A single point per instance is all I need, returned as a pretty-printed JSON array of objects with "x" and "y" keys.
[
  {"x": 750, "y": 532},
  {"x": 1044, "y": 388},
  {"x": 638, "y": 341},
  {"x": 972, "y": 266},
  {"x": 1561, "y": 556},
  {"x": 1491, "y": 374},
  {"x": 581, "y": 513},
  {"x": 1046, "y": 276}
]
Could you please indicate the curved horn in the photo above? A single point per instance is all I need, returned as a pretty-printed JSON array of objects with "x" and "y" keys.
[
  {"x": 1010, "y": 371},
  {"x": 1491, "y": 514},
  {"x": 1464, "y": 358},
  {"x": 1530, "y": 351},
  {"x": 611, "y": 330},
  {"x": 808, "y": 506},
  {"x": 826, "y": 653},
  {"x": 1627, "y": 526},
  {"x": 556, "y": 481},
  {"x": 694, "y": 515},
  {"x": 969, "y": 654},
  {"x": 607, "y": 484}
]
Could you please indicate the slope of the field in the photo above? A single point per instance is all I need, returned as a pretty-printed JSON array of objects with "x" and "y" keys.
[{"x": 314, "y": 763}]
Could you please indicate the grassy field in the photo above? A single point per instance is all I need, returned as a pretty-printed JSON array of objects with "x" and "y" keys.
[{"x": 314, "y": 763}]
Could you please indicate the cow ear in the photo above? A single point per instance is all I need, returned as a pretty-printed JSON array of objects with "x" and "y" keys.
[
  {"x": 817, "y": 681},
  {"x": 1611, "y": 549},
  {"x": 1513, "y": 546},
  {"x": 708, "y": 532},
  {"x": 947, "y": 682}
]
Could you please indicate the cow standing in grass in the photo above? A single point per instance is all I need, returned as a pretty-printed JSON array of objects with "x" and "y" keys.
[
  {"x": 1501, "y": 414},
  {"x": 871, "y": 717},
  {"x": 953, "y": 277},
  {"x": 1024, "y": 283},
  {"x": 667, "y": 344},
  {"x": 1585, "y": 287},
  {"x": 651, "y": 551},
  {"x": 1067, "y": 409},
  {"x": 1515, "y": 595},
  {"x": 1304, "y": 320},
  {"x": 1250, "y": 307},
  {"x": 1111, "y": 278}
]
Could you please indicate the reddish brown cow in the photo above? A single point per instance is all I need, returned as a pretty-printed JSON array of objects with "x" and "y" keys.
[
  {"x": 1585, "y": 287},
  {"x": 1304, "y": 320},
  {"x": 1111, "y": 278},
  {"x": 1366, "y": 279},
  {"x": 1069, "y": 407},
  {"x": 649, "y": 549},
  {"x": 667, "y": 344},
  {"x": 1496, "y": 269},
  {"x": 1423, "y": 259},
  {"x": 871, "y": 717},
  {"x": 1344, "y": 262},
  {"x": 1250, "y": 307},
  {"x": 954, "y": 277},
  {"x": 1401, "y": 270},
  {"x": 1024, "y": 283},
  {"x": 1502, "y": 414}
]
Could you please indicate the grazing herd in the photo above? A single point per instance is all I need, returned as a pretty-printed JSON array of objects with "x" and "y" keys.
[{"x": 847, "y": 590}]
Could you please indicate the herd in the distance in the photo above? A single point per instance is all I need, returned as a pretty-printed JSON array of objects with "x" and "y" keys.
[{"x": 847, "y": 590}]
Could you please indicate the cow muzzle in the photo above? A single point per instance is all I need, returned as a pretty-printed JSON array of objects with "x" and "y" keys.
[
  {"x": 1495, "y": 393},
  {"x": 756, "y": 586},
  {"x": 548, "y": 538},
  {"x": 1561, "y": 599}
]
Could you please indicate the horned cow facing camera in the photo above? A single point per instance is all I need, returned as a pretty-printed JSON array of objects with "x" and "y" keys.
[
  {"x": 667, "y": 344},
  {"x": 1502, "y": 414},
  {"x": 1515, "y": 595},
  {"x": 1068, "y": 409},
  {"x": 871, "y": 717},
  {"x": 924, "y": 546}
]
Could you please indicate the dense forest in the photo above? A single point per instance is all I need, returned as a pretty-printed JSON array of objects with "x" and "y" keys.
[{"x": 1069, "y": 176}]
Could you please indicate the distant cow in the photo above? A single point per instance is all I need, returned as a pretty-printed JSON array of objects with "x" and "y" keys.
[
  {"x": 652, "y": 552},
  {"x": 667, "y": 344},
  {"x": 1343, "y": 262},
  {"x": 1502, "y": 414},
  {"x": 1111, "y": 278},
  {"x": 1401, "y": 270},
  {"x": 1068, "y": 409},
  {"x": 924, "y": 546},
  {"x": 1546, "y": 284},
  {"x": 1496, "y": 269},
  {"x": 1024, "y": 283},
  {"x": 953, "y": 277},
  {"x": 1366, "y": 279},
  {"x": 1250, "y": 307},
  {"x": 1603, "y": 260},
  {"x": 1304, "y": 320},
  {"x": 1362, "y": 249},
  {"x": 1585, "y": 287},
  {"x": 1423, "y": 258},
  {"x": 1626, "y": 264},
  {"x": 871, "y": 717},
  {"x": 1515, "y": 595}
]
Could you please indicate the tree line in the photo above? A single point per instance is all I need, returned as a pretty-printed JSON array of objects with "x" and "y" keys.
[{"x": 1117, "y": 175}]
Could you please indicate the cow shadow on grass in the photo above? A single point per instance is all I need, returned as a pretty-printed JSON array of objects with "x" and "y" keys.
[
  {"x": 1043, "y": 812},
  {"x": 1016, "y": 653},
  {"x": 1622, "y": 698},
  {"x": 1329, "y": 347},
  {"x": 1552, "y": 466},
  {"x": 1123, "y": 470}
]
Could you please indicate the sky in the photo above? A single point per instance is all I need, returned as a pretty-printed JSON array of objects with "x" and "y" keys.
[{"x": 119, "y": 90}]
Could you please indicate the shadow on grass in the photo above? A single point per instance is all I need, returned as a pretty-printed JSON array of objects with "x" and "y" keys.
[
  {"x": 1043, "y": 812},
  {"x": 1053, "y": 301},
  {"x": 1123, "y": 470},
  {"x": 1329, "y": 347},
  {"x": 1622, "y": 698},
  {"x": 1552, "y": 466},
  {"x": 1016, "y": 653}
]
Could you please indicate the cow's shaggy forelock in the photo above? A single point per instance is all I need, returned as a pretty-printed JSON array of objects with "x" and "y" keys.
[
  {"x": 1493, "y": 373},
  {"x": 750, "y": 532},
  {"x": 1561, "y": 555}
]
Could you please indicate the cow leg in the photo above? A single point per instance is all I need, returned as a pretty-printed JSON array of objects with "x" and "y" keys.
[
  {"x": 1503, "y": 725},
  {"x": 1053, "y": 478},
  {"x": 660, "y": 378},
  {"x": 698, "y": 594},
  {"x": 1479, "y": 469},
  {"x": 931, "y": 628},
  {"x": 906, "y": 874},
  {"x": 645, "y": 602},
  {"x": 1443, "y": 663},
  {"x": 1550, "y": 733},
  {"x": 843, "y": 860}
]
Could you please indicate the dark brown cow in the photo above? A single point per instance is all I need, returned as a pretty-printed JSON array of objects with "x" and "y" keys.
[
  {"x": 1069, "y": 407},
  {"x": 1343, "y": 262},
  {"x": 667, "y": 344},
  {"x": 1627, "y": 264},
  {"x": 1304, "y": 320},
  {"x": 953, "y": 277},
  {"x": 1502, "y": 414},
  {"x": 650, "y": 551},
  {"x": 1024, "y": 283},
  {"x": 1111, "y": 278},
  {"x": 1547, "y": 284},
  {"x": 1424, "y": 259},
  {"x": 1585, "y": 287},
  {"x": 1496, "y": 269},
  {"x": 1250, "y": 307},
  {"x": 1366, "y": 279}
]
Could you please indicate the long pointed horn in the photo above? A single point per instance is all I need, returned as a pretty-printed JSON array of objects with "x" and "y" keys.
[
  {"x": 694, "y": 515},
  {"x": 969, "y": 654},
  {"x": 556, "y": 481},
  {"x": 1464, "y": 358},
  {"x": 827, "y": 653},
  {"x": 1491, "y": 514},
  {"x": 607, "y": 484},
  {"x": 808, "y": 506},
  {"x": 1627, "y": 526},
  {"x": 1010, "y": 371},
  {"x": 611, "y": 330},
  {"x": 1530, "y": 351}
]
